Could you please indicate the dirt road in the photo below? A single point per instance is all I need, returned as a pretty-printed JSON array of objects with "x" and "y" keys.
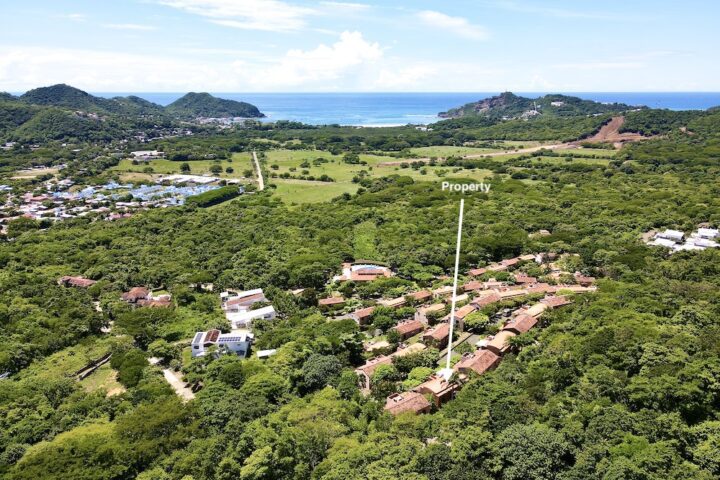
[{"x": 261, "y": 182}]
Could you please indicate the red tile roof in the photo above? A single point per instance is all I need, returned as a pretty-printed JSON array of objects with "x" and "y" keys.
[
  {"x": 135, "y": 294},
  {"x": 473, "y": 285},
  {"x": 479, "y": 362},
  {"x": 407, "y": 402},
  {"x": 486, "y": 300},
  {"x": 77, "y": 282},
  {"x": 370, "y": 366},
  {"x": 476, "y": 272},
  {"x": 521, "y": 324},
  {"x": 555, "y": 302},
  {"x": 331, "y": 301},
  {"x": 465, "y": 311},
  {"x": 438, "y": 333},
  {"x": 363, "y": 313},
  {"x": 409, "y": 327},
  {"x": 421, "y": 295}
]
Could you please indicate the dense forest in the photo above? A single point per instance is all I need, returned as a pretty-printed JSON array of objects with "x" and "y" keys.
[{"x": 623, "y": 384}]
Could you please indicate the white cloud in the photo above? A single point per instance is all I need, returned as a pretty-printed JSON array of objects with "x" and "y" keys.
[
  {"x": 76, "y": 17},
  {"x": 599, "y": 65},
  {"x": 458, "y": 25},
  {"x": 346, "y": 5},
  {"x": 322, "y": 64},
  {"x": 270, "y": 15},
  {"x": 411, "y": 77},
  {"x": 129, "y": 26}
]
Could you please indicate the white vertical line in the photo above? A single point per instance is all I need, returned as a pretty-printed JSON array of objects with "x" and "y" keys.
[{"x": 455, "y": 281}]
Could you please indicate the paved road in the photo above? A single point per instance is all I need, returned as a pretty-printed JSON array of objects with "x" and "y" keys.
[{"x": 261, "y": 182}]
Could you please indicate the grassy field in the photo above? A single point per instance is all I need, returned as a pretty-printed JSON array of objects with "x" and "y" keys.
[
  {"x": 443, "y": 151},
  {"x": 300, "y": 191},
  {"x": 364, "y": 240},
  {"x": 69, "y": 360},
  {"x": 240, "y": 162},
  {"x": 103, "y": 378}
]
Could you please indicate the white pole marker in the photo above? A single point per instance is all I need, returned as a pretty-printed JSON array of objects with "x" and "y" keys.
[{"x": 455, "y": 286}]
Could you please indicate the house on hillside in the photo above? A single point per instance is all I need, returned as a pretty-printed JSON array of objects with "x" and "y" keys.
[
  {"x": 583, "y": 280},
  {"x": 414, "y": 402},
  {"x": 331, "y": 303},
  {"x": 480, "y": 361},
  {"x": 366, "y": 371},
  {"x": 484, "y": 300},
  {"x": 136, "y": 294},
  {"x": 363, "y": 315},
  {"x": 78, "y": 282},
  {"x": 498, "y": 344},
  {"x": 437, "y": 336},
  {"x": 555, "y": 302},
  {"x": 241, "y": 301},
  {"x": 244, "y": 319},
  {"x": 409, "y": 328},
  {"x": 521, "y": 323},
  {"x": 362, "y": 272},
  {"x": 420, "y": 297},
  {"x": 669, "y": 234},
  {"x": 423, "y": 312},
  {"x": 394, "y": 302},
  {"x": 237, "y": 343},
  {"x": 440, "y": 388}
]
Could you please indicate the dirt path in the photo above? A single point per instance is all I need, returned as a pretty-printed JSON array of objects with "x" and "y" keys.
[
  {"x": 173, "y": 378},
  {"x": 261, "y": 182},
  {"x": 175, "y": 381},
  {"x": 610, "y": 132}
]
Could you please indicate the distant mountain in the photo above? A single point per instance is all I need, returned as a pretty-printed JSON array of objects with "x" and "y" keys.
[
  {"x": 194, "y": 105},
  {"x": 6, "y": 97},
  {"x": 189, "y": 106},
  {"x": 507, "y": 105}
]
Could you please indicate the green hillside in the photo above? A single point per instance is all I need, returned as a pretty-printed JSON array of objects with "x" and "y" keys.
[
  {"x": 194, "y": 105},
  {"x": 507, "y": 105}
]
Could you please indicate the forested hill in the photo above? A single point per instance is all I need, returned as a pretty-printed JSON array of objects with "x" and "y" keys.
[
  {"x": 507, "y": 105},
  {"x": 189, "y": 106},
  {"x": 205, "y": 105}
]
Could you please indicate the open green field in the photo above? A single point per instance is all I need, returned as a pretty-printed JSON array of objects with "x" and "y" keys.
[
  {"x": 301, "y": 191},
  {"x": 442, "y": 151},
  {"x": 240, "y": 162},
  {"x": 69, "y": 360},
  {"x": 103, "y": 378}
]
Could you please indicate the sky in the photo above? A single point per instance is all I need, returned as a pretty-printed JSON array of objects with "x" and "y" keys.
[{"x": 363, "y": 46}]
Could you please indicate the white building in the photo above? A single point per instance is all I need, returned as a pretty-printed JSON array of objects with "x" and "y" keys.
[
  {"x": 238, "y": 343},
  {"x": 244, "y": 319},
  {"x": 663, "y": 242},
  {"x": 147, "y": 154},
  {"x": 241, "y": 301},
  {"x": 674, "y": 235},
  {"x": 709, "y": 233}
]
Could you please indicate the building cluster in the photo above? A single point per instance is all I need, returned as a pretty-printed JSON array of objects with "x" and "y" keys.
[
  {"x": 677, "y": 241},
  {"x": 442, "y": 386},
  {"x": 430, "y": 325},
  {"x": 241, "y": 310},
  {"x": 57, "y": 200}
]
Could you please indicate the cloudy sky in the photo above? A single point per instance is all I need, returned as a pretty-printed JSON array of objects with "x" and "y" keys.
[{"x": 390, "y": 45}]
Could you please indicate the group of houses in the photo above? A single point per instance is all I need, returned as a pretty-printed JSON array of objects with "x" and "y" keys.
[
  {"x": 430, "y": 325},
  {"x": 676, "y": 240},
  {"x": 241, "y": 310},
  {"x": 57, "y": 200},
  {"x": 442, "y": 386}
]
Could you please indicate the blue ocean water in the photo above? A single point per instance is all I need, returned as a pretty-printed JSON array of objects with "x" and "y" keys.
[{"x": 383, "y": 109}]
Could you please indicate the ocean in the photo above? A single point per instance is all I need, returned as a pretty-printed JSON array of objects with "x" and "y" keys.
[{"x": 386, "y": 109}]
